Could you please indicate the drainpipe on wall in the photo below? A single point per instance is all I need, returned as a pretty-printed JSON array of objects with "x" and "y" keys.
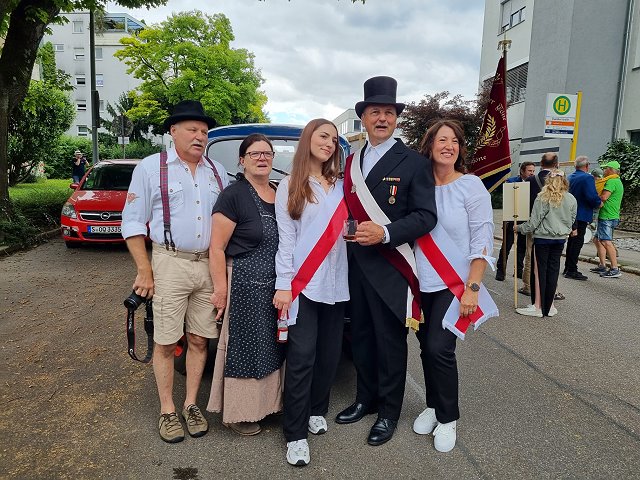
[{"x": 623, "y": 72}]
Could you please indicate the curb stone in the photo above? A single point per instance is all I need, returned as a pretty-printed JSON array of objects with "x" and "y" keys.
[{"x": 7, "y": 250}]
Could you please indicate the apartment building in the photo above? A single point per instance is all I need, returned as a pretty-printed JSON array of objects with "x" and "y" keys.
[{"x": 71, "y": 44}]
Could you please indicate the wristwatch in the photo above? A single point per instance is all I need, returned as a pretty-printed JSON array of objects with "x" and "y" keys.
[
  {"x": 473, "y": 286},
  {"x": 384, "y": 236}
]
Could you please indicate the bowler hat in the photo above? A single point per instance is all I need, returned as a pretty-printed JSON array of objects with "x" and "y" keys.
[
  {"x": 379, "y": 91},
  {"x": 188, "y": 110},
  {"x": 611, "y": 164}
]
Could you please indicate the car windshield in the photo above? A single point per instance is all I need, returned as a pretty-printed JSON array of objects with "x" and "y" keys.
[
  {"x": 109, "y": 177},
  {"x": 226, "y": 152}
]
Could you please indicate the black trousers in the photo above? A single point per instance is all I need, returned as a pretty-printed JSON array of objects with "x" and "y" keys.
[
  {"x": 547, "y": 260},
  {"x": 507, "y": 243},
  {"x": 313, "y": 353},
  {"x": 574, "y": 245},
  {"x": 438, "y": 355},
  {"x": 379, "y": 347}
]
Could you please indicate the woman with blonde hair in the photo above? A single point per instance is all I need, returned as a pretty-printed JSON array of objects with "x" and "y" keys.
[
  {"x": 311, "y": 284},
  {"x": 551, "y": 220}
]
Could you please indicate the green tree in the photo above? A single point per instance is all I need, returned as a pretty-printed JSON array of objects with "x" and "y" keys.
[
  {"x": 35, "y": 128},
  {"x": 49, "y": 71},
  {"x": 417, "y": 117},
  {"x": 23, "y": 23},
  {"x": 188, "y": 56},
  {"x": 628, "y": 155},
  {"x": 125, "y": 103}
]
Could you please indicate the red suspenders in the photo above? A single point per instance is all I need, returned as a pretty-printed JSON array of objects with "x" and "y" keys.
[{"x": 164, "y": 194}]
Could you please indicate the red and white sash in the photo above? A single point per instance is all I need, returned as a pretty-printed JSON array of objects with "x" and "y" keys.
[
  {"x": 364, "y": 207},
  {"x": 316, "y": 243},
  {"x": 452, "y": 267}
]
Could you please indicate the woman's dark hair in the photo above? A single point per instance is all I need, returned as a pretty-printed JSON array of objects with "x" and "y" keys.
[
  {"x": 426, "y": 145},
  {"x": 250, "y": 140}
]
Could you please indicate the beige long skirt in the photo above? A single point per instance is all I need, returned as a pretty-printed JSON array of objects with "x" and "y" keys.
[{"x": 242, "y": 399}]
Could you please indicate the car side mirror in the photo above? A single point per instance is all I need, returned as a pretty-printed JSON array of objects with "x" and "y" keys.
[{"x": 73, "y": 186}]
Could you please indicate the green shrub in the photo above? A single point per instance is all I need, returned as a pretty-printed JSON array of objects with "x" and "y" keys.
[{"x": 628, "y": 155}]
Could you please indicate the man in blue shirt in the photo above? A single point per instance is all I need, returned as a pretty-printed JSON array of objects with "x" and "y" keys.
[
  {"x": 582, "y": 186},
  {"x": 527, "y": 169}
]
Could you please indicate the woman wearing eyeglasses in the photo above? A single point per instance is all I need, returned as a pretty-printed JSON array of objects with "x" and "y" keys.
[
  {"x": 247, "y": 384},
  {"x": 551, "y": 220}
]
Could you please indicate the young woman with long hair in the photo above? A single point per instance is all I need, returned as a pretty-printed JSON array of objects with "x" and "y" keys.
[
  {"x": 307, "y": 203},
  {"x": 551, "y": 220}
]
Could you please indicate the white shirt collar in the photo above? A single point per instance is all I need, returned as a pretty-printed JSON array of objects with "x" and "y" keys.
[{"x": 382, "y": 148}]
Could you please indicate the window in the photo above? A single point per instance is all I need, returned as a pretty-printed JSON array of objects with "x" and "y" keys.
[
  {"x": 99, "y": 80},
  {"x": 81, "y": 105},
  {"x": 58, "y": 47},
  {"x": 78, "y": 26},
  {"x": 81, "y": 80},
  {"x": 634, "y": 137},
  {"x": 78, "y": 53},
  {"x": 517, "y": 83},
  {"x": 98, "y": 52},
  {"x": 357, "y": 126},
  {"x": 512, "y": 14},
  {"x": 101, "y": 105},
  {"x": 83, "y": 130}
]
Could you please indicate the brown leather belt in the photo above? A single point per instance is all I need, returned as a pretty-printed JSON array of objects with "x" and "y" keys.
[{"x": 193, "y": 256}]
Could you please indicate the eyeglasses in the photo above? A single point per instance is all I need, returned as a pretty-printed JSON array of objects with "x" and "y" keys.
[{"x": 257, "y": 155}]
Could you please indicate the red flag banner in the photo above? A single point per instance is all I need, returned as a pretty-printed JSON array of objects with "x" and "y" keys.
[{"x": 492, "y": 160}]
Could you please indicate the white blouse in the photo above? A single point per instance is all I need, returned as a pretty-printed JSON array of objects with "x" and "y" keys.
[
  {"x": 465, "y": 213},
  {"x": 330, "y": 282}
]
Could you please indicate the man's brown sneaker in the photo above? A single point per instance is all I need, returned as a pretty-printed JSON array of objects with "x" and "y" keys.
[
  {"x": 197, "y": 425},
  {"x": 171, "y": 430}
]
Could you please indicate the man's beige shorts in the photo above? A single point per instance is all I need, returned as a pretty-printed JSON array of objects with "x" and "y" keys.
[{"x": 182, "y": 297}]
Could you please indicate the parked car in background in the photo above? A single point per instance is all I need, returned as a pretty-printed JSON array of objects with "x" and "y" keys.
[
  {"x": 93, "y": 212},
  {"x": 223, "y": 146}
]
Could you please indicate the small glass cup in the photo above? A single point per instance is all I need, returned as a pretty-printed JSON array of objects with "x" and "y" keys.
[{"x": 349, "y": 230}]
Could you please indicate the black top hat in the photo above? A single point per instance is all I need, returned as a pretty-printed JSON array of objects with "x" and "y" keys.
[
  {"x": 188, "y": 110},
  {"x": 379, "y": 91}
]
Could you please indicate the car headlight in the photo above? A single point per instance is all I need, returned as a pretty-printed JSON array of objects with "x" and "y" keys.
[{"x": 69, "y": 211}]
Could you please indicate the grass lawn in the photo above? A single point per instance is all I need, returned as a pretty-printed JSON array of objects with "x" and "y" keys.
[{"x": 26, "y": 192}]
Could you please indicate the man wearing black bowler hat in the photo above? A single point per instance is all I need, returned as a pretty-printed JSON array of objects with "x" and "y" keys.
[
  {"x": 174, "y": 193},
  {"x": 389, "y": 189}
]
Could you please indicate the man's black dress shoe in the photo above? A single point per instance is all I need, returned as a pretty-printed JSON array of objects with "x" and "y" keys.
[
  {"x": 575, "y": 276},
  {"x": 500, "y": 276},
  {"x": 354, "y": 413},
  {"x": 382, "y": 431}
]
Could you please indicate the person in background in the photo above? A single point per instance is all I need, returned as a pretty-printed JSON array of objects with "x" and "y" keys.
[
  {"x": 466, "y": 216},
  {"x": 548, "y": 161},
  {"x": 247, "y": 383},
  {"x": 77, "y": 166},
  {"x": 551, "y": 221},
  {"x": 178, "y": 275},
  {"x": 527, "y": 169},
  {"x": 608, "y": 220},
  {"x": 582, "y": 186},
  {"x": 309, "y": 207}
]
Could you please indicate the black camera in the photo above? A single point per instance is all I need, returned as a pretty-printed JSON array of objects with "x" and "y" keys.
[{"x": 133, "y": 301}]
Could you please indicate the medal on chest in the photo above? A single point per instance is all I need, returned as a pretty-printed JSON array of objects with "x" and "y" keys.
[{"x": 393, "y": 190}]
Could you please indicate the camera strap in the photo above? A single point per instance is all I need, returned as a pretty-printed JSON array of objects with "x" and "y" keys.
[{"x": 148, "y": 328}]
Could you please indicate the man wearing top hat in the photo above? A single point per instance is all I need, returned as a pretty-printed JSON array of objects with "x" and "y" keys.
[
  {"x": 389, "y": 189},
  {"x": 177, "y": 277}
]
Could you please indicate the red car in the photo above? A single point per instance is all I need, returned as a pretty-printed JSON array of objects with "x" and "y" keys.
[{"x": 93, "y": 212}]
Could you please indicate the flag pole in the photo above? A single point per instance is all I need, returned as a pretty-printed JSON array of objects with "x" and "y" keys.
[{"x": 505, "y": 44}]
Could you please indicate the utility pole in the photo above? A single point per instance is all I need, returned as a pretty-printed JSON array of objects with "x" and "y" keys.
[{"x": 95, "y": 99}]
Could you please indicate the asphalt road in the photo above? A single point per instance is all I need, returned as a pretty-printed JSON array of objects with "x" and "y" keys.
[{"x": 540, "y": 398}]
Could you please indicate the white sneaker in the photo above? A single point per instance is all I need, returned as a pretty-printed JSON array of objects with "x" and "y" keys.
[
  {"x": 553, "y": 311},
  {"x": 530, "y": 310},
  {"x": 317, "y": 425},
  {"x": 445, "y": 436},
  {"x": 426, "y": 422},
  {"x": 298, "y": 453}
]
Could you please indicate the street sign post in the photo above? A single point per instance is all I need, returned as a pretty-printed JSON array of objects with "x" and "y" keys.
[{"x": 560, "y": 120}]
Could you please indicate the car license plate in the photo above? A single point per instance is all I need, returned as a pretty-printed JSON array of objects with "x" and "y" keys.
[{"x": 103, "y": 229}]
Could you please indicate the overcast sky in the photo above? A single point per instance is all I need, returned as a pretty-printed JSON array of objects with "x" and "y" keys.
[{"x": 315, "y": 54}]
